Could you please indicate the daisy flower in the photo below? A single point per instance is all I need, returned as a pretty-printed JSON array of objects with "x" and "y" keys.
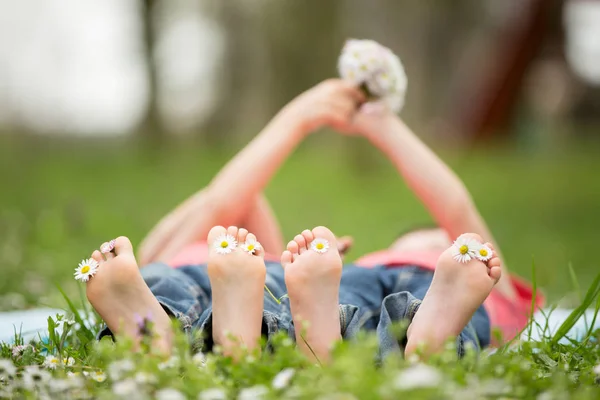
[
  {"x": 86, "y": 269},
  {"x": 251, "y": 246},
  {"x": 51, "y": 362},
  {"x": 464, "y": 249},
  {"x": 320, "y": 245},
  {"x": 7, "y": 368},
  {"x": 484, "y": 253},
  {"x": 108, "y": 247},
  {"x": 225, "y": 244},
  {"x": 69, "y": 362}
]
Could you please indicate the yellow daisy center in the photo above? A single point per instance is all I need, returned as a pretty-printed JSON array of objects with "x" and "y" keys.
[
  {"x": 320, "y": 246},
  {"x": 54, "y": 361},
  {"x": 224, "y": 244},
  {"x": 464, "y": 249},
  {"x": 483, "y": 252},
  {"x": 250, "y": 247},
  {"x": 85, "y": 269}
]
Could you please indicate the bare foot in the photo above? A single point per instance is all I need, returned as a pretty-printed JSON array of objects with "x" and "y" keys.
[
  {"x": 237, "y": 280},
  {"x": 312, "y": 277},
  {"x": 119, "y": 294},
  {"x": 457, "y": 290}
]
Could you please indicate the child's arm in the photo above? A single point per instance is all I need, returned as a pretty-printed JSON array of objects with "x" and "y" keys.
[
  {"x": 433, "y": 182},
  {"x": 234, "y": 190}
]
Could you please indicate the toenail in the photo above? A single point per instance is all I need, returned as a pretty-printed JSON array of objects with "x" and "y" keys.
[{"x": 108, "y": 247}]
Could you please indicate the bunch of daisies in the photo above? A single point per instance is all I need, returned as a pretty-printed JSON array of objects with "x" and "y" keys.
[
  {"x": 376, "y": 70},
  {"x": 466, "y": 249}
]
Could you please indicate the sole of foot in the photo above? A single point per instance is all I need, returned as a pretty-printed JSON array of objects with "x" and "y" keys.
[
  {"x": 237, "y": 280},
  {"x": 119, "y": 294},
  {"x": 457, "y": 290},
  {"x": 312, "y": 276}
]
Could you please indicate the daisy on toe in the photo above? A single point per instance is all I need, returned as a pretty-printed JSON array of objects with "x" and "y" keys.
[
  {"x": 251, "y": 246},
  {"x": 225, "y": 244},
  {"x": 465, "y": 249},
  {"x": 320, "y": 245},
  {"x": 484, "y": 253},
  {"x": 86, "y": 269}
]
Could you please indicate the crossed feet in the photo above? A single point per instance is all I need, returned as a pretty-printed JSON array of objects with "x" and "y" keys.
[{"x": 312, "y": 276}]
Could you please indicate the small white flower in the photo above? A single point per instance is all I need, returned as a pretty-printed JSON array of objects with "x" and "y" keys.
[
  {"x": 33, "y": 377},
  {"x": 98, "y": 376},
  {"x": 225, "y": 244},
  {"x": 199, "y": 359},
  {"x": 118, "y": 369},
  {"x": 108, "y": 247},
  {"x": 144, "y": 378},
  {"x": 86, "y": 269},
  {"x": 7, "y": 368},
  {"x": 464, "y": 249},
  {"x": 212, "y": 394},
  {"x": 418, "y": 376},
  {"x": 69, "y": 362},
  {"x": 51, "y": 362},
  {"x": 169, "y": 394},
  {"x": 17, "y": 351},
  {"x": 597, "y": 369},
  {"x": 320, "y": 245},
  {"x": 282, "y": 379},
  {"x": 59, "y": 385},
  {"x": 484, "y": 253},
  {"x": 172, "y": 362},
  {"x": 125, "y": 388},
  {"x": 251, "y": 246},
  {"x": 253, "y": 393}
]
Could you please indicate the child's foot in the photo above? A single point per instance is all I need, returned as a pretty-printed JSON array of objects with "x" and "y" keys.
[
  {"x": 312, "y": 277},
  {"x": 457, "y": 290},
  {"x": 119, "y": 294},
  {"x": 237, "y": 280}
]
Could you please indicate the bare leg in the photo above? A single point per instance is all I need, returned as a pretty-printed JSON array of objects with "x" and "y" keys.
[{"x": 457, "y": 290}]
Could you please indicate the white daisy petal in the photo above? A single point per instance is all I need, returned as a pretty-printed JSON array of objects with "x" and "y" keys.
[
  {"x": 251, "y": 246},
  {"x": 225, "y": 244},
  {"x": 484, "y": 253},
  {"x": 86, "y": 269},
  {"x": 320, "y": 245},
  {"x": 465, "y": 249},
  {"x": 51, "y": 362}
]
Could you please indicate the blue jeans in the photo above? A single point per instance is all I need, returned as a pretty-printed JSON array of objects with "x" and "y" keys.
[{"x": 370, "y": 299}]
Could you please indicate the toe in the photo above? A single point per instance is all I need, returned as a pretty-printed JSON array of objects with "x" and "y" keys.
[
  {"x": 324, "y": 233},
  {"x": 109, "y": 255},
  {"x": 293, "y": 248},
  {"x": 96, "y": 255},
  {"x": 215, "y": 232},
  {"x": 473, "y": 236},
  {"x": 301, "y": 243},
  {"x": 286, "y": 258},
  {"x": 308, "y": 236},
  {"x": 242, "y": 234},
  {"x": 233, "y": 231},
  {"x": 495, "y": 273},
  {"x": 123, "y": 246}
]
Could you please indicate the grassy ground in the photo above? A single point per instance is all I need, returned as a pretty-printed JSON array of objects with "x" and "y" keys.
[{"x": 61, "y": 200}]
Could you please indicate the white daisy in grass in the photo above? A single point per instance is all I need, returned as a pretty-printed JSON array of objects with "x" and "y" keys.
[
  {"x": 69, "y": 362},
  {"x": 86, "y": 269},
  {"x": 251, "y": 246},
  {"x": 320, "y": 245},
  {"x": 464, "y": 249},
  {"x": 225, "y": 244},
  {"x": 51, "y": 362},
  {"x": 98, "y": 376},
  {"x": 484, "y": 253}
]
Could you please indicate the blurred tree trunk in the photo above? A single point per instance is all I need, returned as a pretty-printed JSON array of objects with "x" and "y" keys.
[{"x": 151, "y": 126}]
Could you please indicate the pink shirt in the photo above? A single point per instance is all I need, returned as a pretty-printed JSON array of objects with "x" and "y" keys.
[{"x": 508, "y": 316}]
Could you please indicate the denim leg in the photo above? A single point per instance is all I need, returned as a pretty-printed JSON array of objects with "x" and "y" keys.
[
  {"x": 399, "y": 292},
  {"x": 185, "y": 294}
]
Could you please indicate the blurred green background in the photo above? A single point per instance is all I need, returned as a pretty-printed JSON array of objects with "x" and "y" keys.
[{"x": 107, "y": 123}]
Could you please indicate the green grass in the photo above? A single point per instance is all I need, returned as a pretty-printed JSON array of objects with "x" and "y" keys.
[{"x": 60, "y": 200}]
